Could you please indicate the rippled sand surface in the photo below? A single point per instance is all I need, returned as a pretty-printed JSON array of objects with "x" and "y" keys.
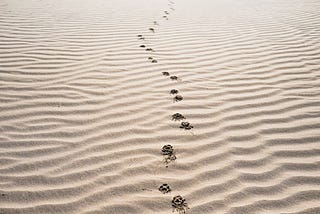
[{"x": 84, "y": 113}]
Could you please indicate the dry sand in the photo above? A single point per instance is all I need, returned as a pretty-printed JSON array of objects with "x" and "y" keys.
[{"x": 84, "y": 113}]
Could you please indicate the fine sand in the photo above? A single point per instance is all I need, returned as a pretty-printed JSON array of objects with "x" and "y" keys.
[{"x": 84, "y": 113}]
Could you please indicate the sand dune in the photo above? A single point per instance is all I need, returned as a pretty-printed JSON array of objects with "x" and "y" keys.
[{"x": 84, "y": 113}]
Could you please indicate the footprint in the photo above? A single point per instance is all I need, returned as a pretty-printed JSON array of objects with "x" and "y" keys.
[
  {"x": 142, "y": 46},
  {"x": 152, "y": 29},
  {"x": 167, "y": 150},
  {"x": 152, "y": 60},
  {"x": 177, "y": 116},
  {"x": 177, "y": 98},
  {"x": 165, "y": 188},
  {"x": 179, "y": 204},
  {"x": 174, "y": 91},
  {"x": 165, "y": 73},
  {"x": 149, "y": 49},
  {"x": 168, "y": 153},
  {"x": 174, "y": 78},
  {"x": 186, "y": 126}
]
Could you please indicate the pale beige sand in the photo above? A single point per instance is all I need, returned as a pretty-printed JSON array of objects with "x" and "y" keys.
[{"x": 84, "y": 115}]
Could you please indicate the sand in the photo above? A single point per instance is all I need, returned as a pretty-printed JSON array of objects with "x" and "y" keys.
[{"x": 84, "y": 113}]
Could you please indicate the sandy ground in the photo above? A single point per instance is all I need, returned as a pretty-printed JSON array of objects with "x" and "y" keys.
[{"x": 84, "y": 113}]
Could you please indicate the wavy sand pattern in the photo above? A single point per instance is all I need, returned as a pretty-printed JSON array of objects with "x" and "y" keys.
[{"x": 84, "y": 114}]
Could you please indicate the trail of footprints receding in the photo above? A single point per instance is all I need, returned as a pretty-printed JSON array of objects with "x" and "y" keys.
[{"x": 178, "y": 203}]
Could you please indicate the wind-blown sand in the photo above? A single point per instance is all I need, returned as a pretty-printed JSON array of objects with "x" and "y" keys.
[{"x": 84, "y": 114}]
